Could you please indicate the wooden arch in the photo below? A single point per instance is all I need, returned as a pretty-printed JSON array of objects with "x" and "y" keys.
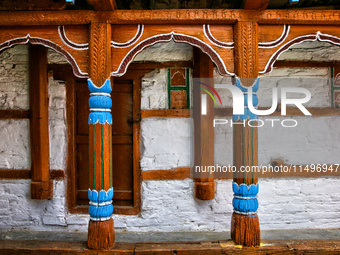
[
  {"x": 126, "y": 42},
  {"x": 292, "y": 35},
  {"x": 300, "y": 39},
  {"x": 49, "y": 44},
  {"x": 215, "y": 40},
  {"x": 50, "y": 37},
  {"x": 177, "y": 37}
]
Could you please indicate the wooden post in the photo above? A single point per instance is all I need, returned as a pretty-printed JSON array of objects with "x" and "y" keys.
[
  {"x": 203, "y": 124},
  {"x": 41, "y": 185},
  {"x": 245, "y": 228},
  {"x": 101, "y": 227}
]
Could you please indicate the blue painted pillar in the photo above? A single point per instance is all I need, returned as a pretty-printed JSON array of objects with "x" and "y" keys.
[{"x": 101, "y": 226}]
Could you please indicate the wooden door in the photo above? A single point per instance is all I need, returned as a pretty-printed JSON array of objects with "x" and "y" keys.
[
  {"x": 122, "y": 141},
  {"x": 125, "y": 142}
]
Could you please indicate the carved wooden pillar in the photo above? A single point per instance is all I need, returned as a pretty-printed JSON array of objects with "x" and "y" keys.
[
  {"x": 245, "y": 228},
  {"x": 101, "y": 227},
  {"x": 204, "y": 129}
]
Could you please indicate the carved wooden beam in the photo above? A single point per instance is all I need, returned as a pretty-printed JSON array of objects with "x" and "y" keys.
[
  {"x": 306, "y": 17},
  {"x": 103, "y": 5},
  {"x": 225, "y": 16},
  {"x": 101, "y": 227},
  {"x": 246, "y": 52},
  {"x": 29, "y": 5},
  {"x": 255, "y": 4},
  {"x": 245, "y": 227},
  {"x": 41, "y": 185}
]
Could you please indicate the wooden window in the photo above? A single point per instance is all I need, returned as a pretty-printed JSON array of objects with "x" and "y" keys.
[
  {"x": 178, "y": 88},
  {"x": 171, "y": 112},
  {"x": 335, "y": 86},
  {"x": 125, "y": 140}
]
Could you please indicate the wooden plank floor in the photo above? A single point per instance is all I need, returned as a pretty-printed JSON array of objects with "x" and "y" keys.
[{"x": 170, "y": 248}]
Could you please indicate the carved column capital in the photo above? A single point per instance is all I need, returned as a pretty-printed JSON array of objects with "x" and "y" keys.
[
  {"x": 246, "y": 51},
  {"x": 100, "y": 52}
]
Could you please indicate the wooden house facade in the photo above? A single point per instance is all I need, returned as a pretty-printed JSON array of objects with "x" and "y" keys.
[{"x": 103, "y": 97}]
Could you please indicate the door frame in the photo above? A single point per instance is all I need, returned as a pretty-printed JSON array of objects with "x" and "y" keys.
[{"x": 65, "y": 73}]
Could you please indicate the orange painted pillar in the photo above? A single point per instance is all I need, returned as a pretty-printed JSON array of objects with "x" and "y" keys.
[
  {"x": 101, "y": 226},
  {"x": 245, "y": 227}
]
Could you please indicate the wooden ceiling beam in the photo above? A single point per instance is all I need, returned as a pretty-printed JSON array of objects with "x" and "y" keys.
[
  {"x": 195, "y": 16},
  {"x": 27, "y": 5},
  {"x": 255, "y": 4},
  {"x": 103, "y": 5}
]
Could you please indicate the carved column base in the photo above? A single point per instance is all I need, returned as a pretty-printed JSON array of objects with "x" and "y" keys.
[
  {"x": 245, "y": 229},
  {"x": 42, "y": 190},
  {"x": 204, "y": 190},
  {"x": 101, "y": 234}
]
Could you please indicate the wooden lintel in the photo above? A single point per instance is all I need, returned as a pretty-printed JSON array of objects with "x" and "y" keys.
[
  {"x": 316, "y": 112},
  {"x": 57, "y": 174},
  {"x": 168, "y": 113},
  {"x": 291, "y": 111},
  {"x": 305, "y": 64},
  {"x": 177, "y": 174},
  {"x": 15, "y": 174},
  {"x": 153, "y": 65},
  {"x": 181, "y": 174},
  {"x": 172, "y": 174},
  {"x": 14, "y": 114},
  {"x": 60, "y": 72},
  {"x": 219, "y": 16},
  {"x": 10, "y": 174}
]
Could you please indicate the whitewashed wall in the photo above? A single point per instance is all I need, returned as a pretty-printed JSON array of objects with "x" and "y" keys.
[
  {"x": 154, "y": 90},
  {"x": 162, "y": 52},
  {"x": 170, "y": 206},
  {"x": 316, "y": 51},
  {"x": 14, "y": 79},
  {"x": 14, "y": 146},
  {"x": 167, "y": 143}
]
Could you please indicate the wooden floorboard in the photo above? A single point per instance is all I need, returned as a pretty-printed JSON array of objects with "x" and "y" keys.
[{"x": 170, "y": 248}]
